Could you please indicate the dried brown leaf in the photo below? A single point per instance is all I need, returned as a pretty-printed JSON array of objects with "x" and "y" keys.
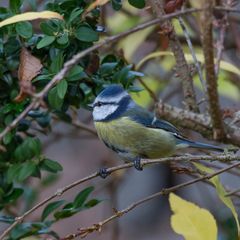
[{"x": 29, "y": 68}]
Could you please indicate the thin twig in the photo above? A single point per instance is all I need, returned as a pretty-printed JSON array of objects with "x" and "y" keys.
[
  {"x": 59, "y": 192},
  {"x": 83, "y": 232},
  {"x": 151, "y": 93},
  {"x": 230, "y": 193},
  {"x": 220, "y": 44},
  {"x": 198, "y": 67}
]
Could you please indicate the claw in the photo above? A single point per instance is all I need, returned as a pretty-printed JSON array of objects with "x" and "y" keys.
[
  {"x": 103, "y": 173},
  {"x": 137, "y": 164}
]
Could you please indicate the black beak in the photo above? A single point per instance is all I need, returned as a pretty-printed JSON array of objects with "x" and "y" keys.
[{"x": 90, "y": 106}]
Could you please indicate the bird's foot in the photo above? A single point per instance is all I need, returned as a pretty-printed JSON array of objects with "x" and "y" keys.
[
  {"x": 137, "y": 164},
  {"x": 103, "y": 173}
]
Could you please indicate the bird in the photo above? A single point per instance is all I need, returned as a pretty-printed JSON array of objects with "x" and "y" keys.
[{"x": 133, "y": 132}]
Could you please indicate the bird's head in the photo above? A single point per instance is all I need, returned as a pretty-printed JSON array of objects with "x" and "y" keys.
[{"x": 111, "y": 103}]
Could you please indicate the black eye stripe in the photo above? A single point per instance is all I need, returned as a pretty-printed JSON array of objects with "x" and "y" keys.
[{"x": 99, "y": 104}]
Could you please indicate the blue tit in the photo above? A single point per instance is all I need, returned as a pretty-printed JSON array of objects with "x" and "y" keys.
[{"x": 133, "y": 132}]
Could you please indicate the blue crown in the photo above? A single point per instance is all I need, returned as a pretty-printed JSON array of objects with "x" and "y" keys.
[{"x": 111, "y": 90}]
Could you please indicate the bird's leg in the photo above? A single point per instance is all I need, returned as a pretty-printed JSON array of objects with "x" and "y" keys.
[
  {"x": 103, "y": 173},
  {"x": 137, "y": 164}
]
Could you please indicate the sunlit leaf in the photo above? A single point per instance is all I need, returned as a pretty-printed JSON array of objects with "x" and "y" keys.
[
  {"x": 223, "y": 64},
  {"x": 191, "y": 221},
  {"x": 95, "y": 4},
  {"x": 220, "y": 191},
  {"x": 30, "y": 16}
]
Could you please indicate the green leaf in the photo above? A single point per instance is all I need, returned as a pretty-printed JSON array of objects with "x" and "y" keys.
[
  {"x": 7, "y": 138},
  {"x": 117, "y": 4},
  {"x": 34, "y": 145},
  {"x": 51, "y": 166},
  {"x": 7, "y": 219},
  {"x": 15, "y": 5},
  {"x": 57, "y": 62},
  {"x": 62, "y": 88},
  {"x": 12, "y": 172},
  {"x": 74, "y": 14},
  {"x": 29, "y": 148},
  {"x": 64, "y": 213},
  {"x": 137, "y": 3},
  {"x": 49, "y": 28},
  {"x": 82, "y": 197},
  {"x": 14, "y": 195},
  {"x": 75, "y": 73},
  {"x": 54, "y": 100},
  {"x": 45, "y": 41},
  {"x": 220, "y": 191},
  {"x": 63, "y": 39},
  {"x": 108, "y": 68},
  {"x": 24, "y": 29},
  {"x": 86, "y": 34},
  {"x": 122, "y": 75},
  {"x": 50, "y": 208},
  {"x": 91, "y": 203},
  {"x": 26, "y": 170}
]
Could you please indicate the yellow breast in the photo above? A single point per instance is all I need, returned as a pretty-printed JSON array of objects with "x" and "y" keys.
[{"x": 135, "y": 138}]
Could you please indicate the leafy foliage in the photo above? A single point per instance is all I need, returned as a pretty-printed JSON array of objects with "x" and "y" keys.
[{"x": 41, "y": 227}]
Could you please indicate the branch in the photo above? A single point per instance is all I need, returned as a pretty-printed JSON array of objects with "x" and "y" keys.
[
  {"x": 211, "y": 80},
  {"x": 59, "y": 192},
  {"x": 83, "y": 232},
  {"x": 197, "y": 65},
  {"x": 198, "y": 122},
  {"x": 183, "y": 69}
]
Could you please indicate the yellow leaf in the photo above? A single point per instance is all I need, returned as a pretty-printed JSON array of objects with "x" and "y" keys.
[
  {"x": 191, "y": 221},
  {"x": 95, "y": 4},
  {"x": 220, "y": 191},
  {"x": 30, "y": 16},
  {"x": 223, "y": 64}
]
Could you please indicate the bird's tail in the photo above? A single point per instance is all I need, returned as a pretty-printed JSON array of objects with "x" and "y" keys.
[
  {"x": 205, "y": 146},
  {"x": 200, "y": 145}
]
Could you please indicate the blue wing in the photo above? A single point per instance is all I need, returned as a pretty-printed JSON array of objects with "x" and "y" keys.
[{"x": 146, "y": 118}]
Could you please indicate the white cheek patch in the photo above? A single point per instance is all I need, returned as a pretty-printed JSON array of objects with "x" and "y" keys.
[{"x": 102, "y": 112}]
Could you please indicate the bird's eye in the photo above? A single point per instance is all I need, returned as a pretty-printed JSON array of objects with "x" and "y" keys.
[{"x": 99, "y": 104}]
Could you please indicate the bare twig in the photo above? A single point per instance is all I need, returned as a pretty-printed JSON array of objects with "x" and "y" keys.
[
  {"x": 181, "y": 63},
  {"x": 219, "y": 44},
  {"x": 211, "y": 81},
  {"x": 198, "y": 67},
  {"x": 230, "y": 193},
  {"x": 59, "y": 192},
  {"x": 83, "y": 232},
  {"x": 150, "y": 92}
]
